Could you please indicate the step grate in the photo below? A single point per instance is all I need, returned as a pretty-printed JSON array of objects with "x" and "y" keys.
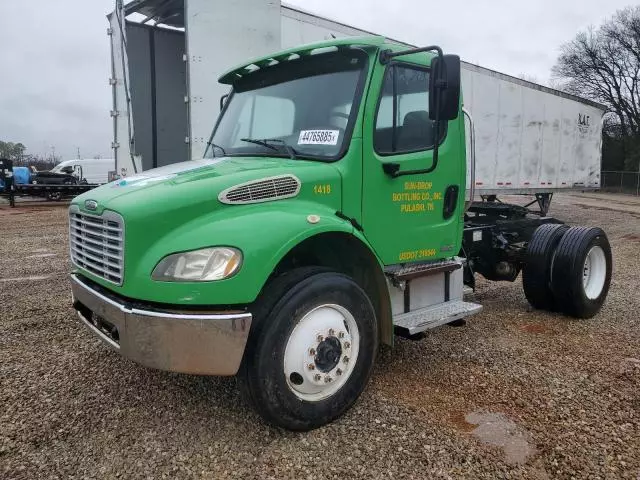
[{"x": 435, "y": 315}]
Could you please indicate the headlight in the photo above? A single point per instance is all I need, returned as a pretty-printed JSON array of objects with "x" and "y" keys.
[{"x": 203, "y": 265}]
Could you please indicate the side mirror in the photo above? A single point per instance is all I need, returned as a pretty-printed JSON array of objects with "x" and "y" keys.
[
  {"x": 223, "y": 100},
  {"x": 445, "y": 84}
]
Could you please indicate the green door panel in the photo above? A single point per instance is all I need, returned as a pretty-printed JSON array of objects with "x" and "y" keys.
[{"x": 403, "y": 216}]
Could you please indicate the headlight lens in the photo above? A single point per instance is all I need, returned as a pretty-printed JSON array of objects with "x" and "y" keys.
[{"x": 203, "y": 265}]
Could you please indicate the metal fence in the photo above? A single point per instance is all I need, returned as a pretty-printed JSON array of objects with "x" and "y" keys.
[{"x": 623, "y": 182}]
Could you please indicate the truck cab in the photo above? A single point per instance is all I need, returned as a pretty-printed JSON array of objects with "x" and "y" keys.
[{"x": 327, "y": 215}]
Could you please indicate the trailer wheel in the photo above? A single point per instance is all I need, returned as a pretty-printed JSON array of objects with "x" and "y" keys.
[
  {"x": 536, "y": 275},
  {"x": 582, "y": 271},
  {"x": 311, "y": 356}
]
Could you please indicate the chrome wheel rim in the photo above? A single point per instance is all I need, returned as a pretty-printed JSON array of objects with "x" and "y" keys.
[
  {"x": 321, "y": 352},
  {"x": 594, "y": 272}
]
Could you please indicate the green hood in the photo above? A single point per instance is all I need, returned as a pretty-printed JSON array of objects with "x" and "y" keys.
[{"x": 195, "y": 185}]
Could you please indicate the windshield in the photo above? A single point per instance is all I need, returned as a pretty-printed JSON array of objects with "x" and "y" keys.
[{"x": 303, "y": 108}]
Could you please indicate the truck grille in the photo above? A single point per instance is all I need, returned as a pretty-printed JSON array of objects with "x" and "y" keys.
[
  {"x": 263, "y": 190},
  {"x": 97, "y": 244}
]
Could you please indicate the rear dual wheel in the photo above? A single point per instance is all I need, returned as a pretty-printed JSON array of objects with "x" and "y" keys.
[
  {"x": 311, "y": 352},
  {"x": 581, "y": 272},
  {"x": 568, "y": 269},
  {"x": 536, "y": 275}
]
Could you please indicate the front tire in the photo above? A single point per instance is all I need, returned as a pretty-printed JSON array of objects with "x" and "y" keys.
[
  {"x": 582, "y": 271},
  {"x": 311, "y": 355}
]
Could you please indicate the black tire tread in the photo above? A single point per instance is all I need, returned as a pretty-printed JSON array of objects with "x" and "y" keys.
[
  {"x": 536, "y": 275},
  {"x": 568, "y": 269},
  {"x": 271, "y": 293},
  {"x": 274, "y": 404}
]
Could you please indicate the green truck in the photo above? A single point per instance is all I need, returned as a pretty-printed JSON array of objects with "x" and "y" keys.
[{"x": 327, "y": 216}]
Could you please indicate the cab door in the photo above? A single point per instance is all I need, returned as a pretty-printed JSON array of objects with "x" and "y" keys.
[{"x": 412, "y": 217}]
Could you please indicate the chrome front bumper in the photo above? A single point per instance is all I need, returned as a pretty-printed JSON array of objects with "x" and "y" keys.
[{"x": 187, "y": 342}]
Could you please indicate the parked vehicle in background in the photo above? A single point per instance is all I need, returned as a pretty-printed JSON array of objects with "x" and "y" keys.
[
  {"x": 94, "y": 171},
  {"x": 20, "y": 182}
]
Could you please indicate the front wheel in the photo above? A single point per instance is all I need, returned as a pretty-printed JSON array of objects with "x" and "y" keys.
[{"x": 311, "y": 355}]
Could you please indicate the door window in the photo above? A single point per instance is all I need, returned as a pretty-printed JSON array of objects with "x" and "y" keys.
[{"x": 402, "y": 121}]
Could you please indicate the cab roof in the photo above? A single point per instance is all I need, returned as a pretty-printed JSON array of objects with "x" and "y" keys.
[{"x": 231, "y": 76}]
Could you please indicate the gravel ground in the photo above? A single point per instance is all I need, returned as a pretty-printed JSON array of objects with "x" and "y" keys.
[{"x": 514, "y": 394}]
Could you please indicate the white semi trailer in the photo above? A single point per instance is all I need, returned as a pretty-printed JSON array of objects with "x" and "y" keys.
[{"x": 168, "y": 55}]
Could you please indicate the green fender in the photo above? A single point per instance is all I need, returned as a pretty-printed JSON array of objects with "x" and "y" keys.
[{"x": 264, "y": 233}]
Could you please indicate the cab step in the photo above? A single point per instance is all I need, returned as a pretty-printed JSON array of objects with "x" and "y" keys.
[
  {"x": 433, "y": 316},
  {"x": 404, "y": 272}
]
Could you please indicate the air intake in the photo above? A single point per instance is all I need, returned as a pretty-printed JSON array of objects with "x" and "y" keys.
[{"x": 263, "y": 190}]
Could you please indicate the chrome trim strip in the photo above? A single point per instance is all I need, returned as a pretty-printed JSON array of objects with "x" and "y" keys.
[
  {"x": 89, "y": 240},
  {"x": 106, "y": 261},
  {"x": 151, "y": 313},
  {"x": 92, "y": 249},
  {"x": 97, "y": 225},
  {"x": 97, "y": 331},
  {"x": 472, "y": 145},
  {"x": 93, "y": 232}
]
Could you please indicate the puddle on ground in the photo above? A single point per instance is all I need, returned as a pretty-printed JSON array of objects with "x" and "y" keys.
[
  {"x": 42, "y": 255},
  {"x": 459, "y": 420},
  {"x": 496, "y": 429},
  {"x": 25, "y": 279}
]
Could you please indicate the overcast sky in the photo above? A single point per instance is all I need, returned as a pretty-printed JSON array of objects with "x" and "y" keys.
[{"x": 54, "y": 56}]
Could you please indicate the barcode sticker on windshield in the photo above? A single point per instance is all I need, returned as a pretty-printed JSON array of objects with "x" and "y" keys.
[{"x": 318, "y": 137}]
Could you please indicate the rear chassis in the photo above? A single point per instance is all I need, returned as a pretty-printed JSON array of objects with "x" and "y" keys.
[{"x": 496, "y": 235}]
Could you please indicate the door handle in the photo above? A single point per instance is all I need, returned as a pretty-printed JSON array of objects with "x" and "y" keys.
[{"x": 450, "y": 201}]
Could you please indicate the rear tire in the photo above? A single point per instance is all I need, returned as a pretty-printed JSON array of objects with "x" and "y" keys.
[
  {"x": 275, "y": 375},
  {"x": 536, "y": 275},
  {"x": 581, "y": 273}
]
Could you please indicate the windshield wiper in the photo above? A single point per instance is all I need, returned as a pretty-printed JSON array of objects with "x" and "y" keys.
[
  {"x": 211, "y": 144},
  {"x": 265, "y": 143}
]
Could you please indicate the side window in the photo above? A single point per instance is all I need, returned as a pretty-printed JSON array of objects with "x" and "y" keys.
[{"x": 402, "y": 121}]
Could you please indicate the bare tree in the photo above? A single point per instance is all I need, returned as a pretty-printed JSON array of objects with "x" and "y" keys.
[
  {"x": 11, "y": 150},
  {"x": 603, "y": 64}
]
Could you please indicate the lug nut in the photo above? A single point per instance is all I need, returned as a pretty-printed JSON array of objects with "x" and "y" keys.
[
  {"x": 347, "y": 345},
  {"x": 345, "y": 359},
  {"x": 319, "y": 338},
  {"x": 311, "y": 366},
  {"x": 331, "y": 332},
  {"x": 327, "y": 379},
  {"x": 338, "y": 372},
  {"x": 341, "y": 335},
  {"x": 312, "y": 351},
  {"x": 317, "y": 377}
]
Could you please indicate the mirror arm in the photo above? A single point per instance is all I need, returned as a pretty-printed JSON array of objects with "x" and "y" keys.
[
  {"x": 223, "y": 99},
  {"x": 387, "y": 55}
]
